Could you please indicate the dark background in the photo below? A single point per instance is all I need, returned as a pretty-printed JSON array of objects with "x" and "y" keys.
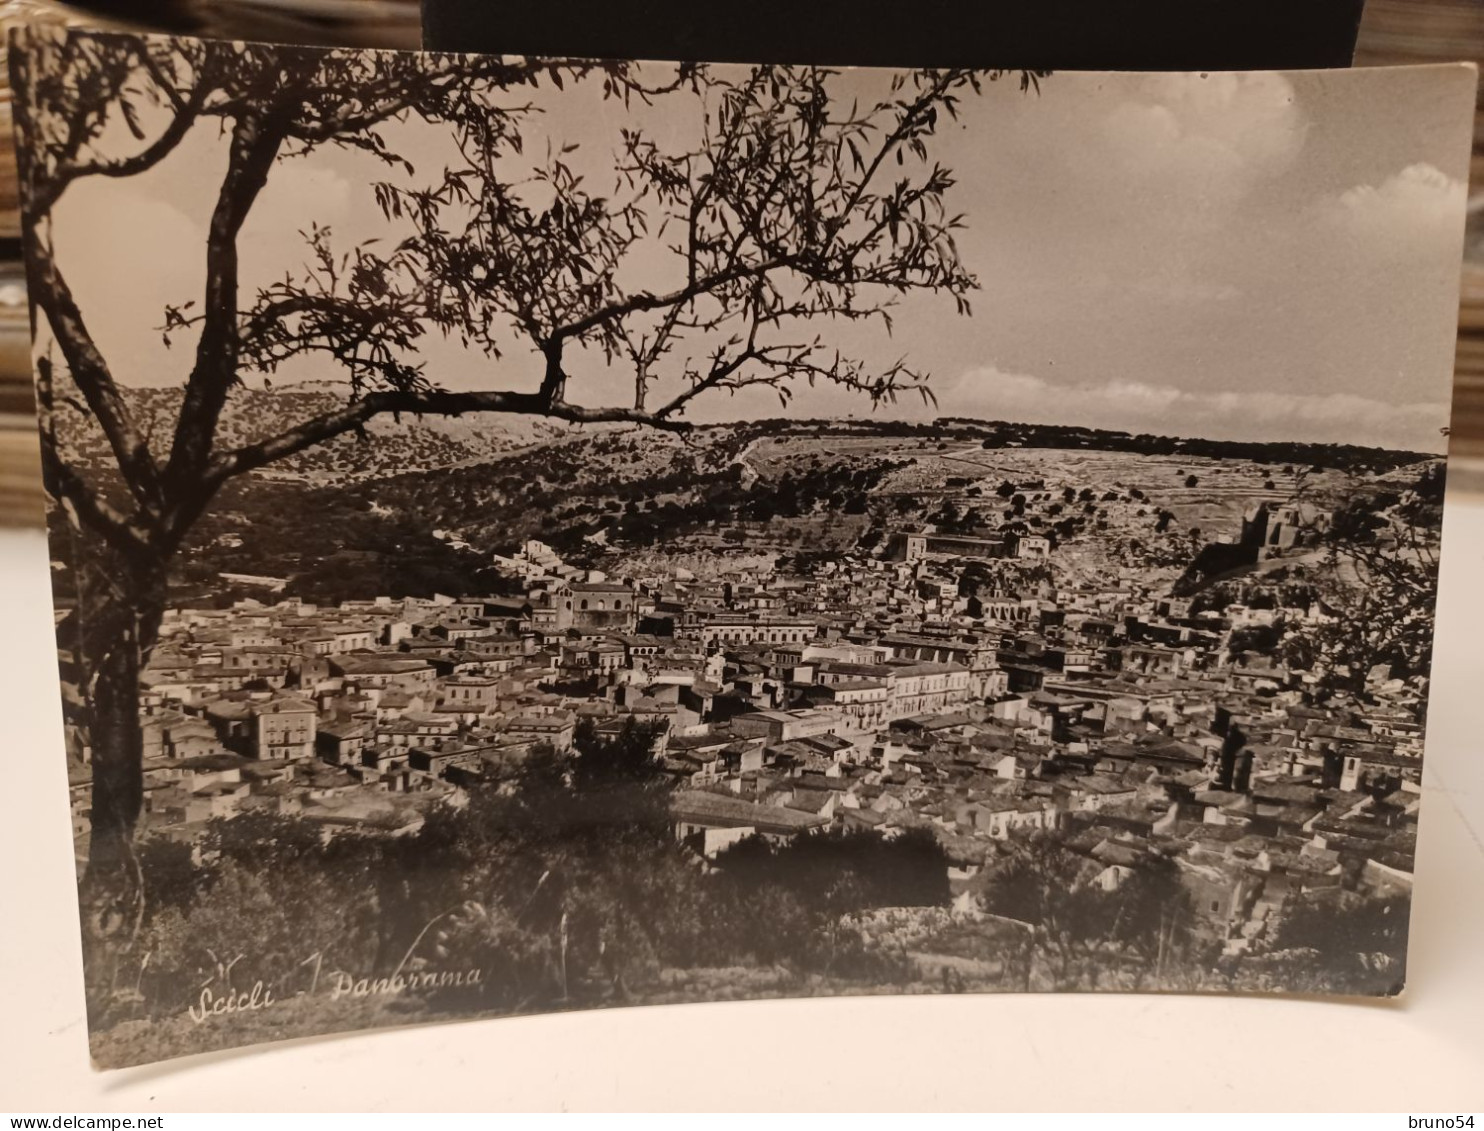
[{"x": 1035, "y": 34}]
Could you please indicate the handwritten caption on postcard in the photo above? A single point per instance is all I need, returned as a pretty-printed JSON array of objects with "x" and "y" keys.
[{"x": 219, "y": 998}]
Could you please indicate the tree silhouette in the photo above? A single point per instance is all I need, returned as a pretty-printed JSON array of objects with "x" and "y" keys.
[
  {"x": 1357, "y": 943},
  {"x": 1378, "y": 581},
  {"x": 91, "y": 106},
  {"x": 1041, "y": 884},
  {"x": 791, "y": 209},
  {"x": 1148, "y": 915}
]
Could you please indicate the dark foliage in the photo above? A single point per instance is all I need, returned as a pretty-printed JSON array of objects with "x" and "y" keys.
[{"x": 843, "y": 871}]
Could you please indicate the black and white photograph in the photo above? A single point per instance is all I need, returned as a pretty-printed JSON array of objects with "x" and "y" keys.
[{"x": 533, "y": 535}]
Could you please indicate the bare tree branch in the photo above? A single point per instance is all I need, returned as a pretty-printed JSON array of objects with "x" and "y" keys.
[
  {"x": 431, "y": 402},
  {"x": 180, "y": 124},
  {"x": 85, "y": 506},
  {"x": 91, "y": 374},
  {"x": 256, "y": 140}
]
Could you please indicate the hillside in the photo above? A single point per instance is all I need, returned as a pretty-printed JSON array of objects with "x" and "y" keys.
[
  {"x": 624, "y": 499},
  {"x": 388, "y": 446}
]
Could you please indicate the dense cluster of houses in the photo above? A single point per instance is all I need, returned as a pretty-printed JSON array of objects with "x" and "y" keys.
[{"x": 875, "y": 692}]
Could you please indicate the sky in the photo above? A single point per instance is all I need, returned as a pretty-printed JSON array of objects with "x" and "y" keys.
[{"x": 1255, "y": 256}]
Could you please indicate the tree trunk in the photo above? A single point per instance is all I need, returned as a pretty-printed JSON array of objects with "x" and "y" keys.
[{"x": 121, "y": 600}]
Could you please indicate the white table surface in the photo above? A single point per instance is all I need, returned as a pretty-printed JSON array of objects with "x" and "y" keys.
[{"x": 1423, "y": 1053}]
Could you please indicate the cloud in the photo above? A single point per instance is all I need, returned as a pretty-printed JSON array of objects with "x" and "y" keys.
[
  {"x": 1137, "y": 406},
  {"x": 127, "y": 255},
  {"x": 1174, "y": 285},
  {"x": 299, "y": 193},
  {"x": 117, "y": 226},
  {"x": 305, "y": 184},
  {"x": 132, "y": 245},
  {"x": 1420, "y": 202},
  {"x": 1203, "y": 138}
]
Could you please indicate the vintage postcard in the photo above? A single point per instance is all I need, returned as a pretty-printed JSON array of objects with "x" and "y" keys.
[{"x": 535, "y": 535}]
